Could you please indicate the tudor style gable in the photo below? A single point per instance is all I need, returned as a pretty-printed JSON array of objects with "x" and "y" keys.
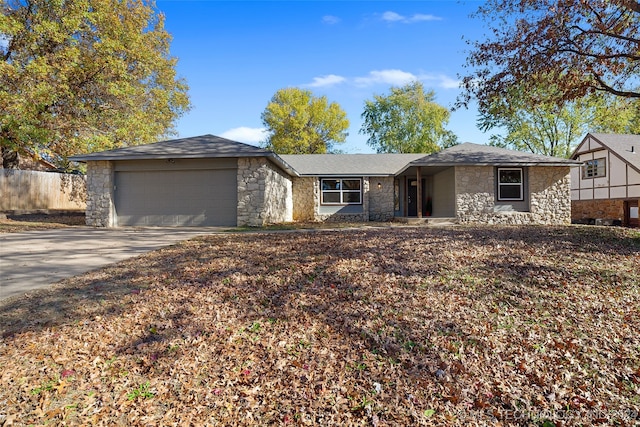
[{"x": 606, "y": 187}]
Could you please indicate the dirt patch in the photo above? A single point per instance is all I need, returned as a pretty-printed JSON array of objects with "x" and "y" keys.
[{"x": 371, "y": 327}]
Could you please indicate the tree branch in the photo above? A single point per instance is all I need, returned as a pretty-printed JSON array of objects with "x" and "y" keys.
[
  {"x": 604, "y": 87},
  {"x": 584, "y": 32},
  {"x": 630, "y": 4},
  {"x": 598, "y": 56}
]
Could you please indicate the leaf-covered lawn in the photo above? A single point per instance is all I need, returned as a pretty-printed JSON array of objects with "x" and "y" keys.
[
  {"x": 31, "y": 222},
  {"x": 372, "y": 327}
]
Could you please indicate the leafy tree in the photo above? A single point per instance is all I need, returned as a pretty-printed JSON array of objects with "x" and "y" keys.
[
  {"x": 586, "y": 46},
  {"x": 300, "y": 123},
  {"x": 540, "y": 122},
  {"x": 406, "y": 121},
  {"x": 79, "y": 76}
]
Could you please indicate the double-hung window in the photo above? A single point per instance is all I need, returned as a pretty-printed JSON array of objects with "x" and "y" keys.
[
  {"x": 341, "y": 191},
  {"x": 595, "y": 168},
  {"x": 510, "y": 184}
]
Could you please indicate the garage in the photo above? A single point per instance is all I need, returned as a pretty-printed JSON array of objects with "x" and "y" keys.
[
  {"x": 176, "y": 193},
  {"x": 201, "y": 181}
]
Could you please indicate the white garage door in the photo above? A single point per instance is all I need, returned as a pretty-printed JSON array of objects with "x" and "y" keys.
[{"x": 176, "y": 197}]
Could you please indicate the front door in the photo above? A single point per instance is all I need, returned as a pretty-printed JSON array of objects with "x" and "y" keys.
[
  {"x": 412, "y": 196},
  {"x": 631, "y": 213}
]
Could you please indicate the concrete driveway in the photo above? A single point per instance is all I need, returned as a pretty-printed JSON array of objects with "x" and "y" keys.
[{"x": 36, "y": 259}]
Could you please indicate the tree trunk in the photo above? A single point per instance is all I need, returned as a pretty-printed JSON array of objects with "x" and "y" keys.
[{"x": 10, "y": 159}]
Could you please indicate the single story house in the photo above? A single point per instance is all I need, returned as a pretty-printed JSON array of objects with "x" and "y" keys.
[
  {"x": 212, "y": 181},
  {"x": 606, "y": 187}
]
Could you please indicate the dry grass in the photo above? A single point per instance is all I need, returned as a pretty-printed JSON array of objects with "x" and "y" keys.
[{"x": 379, "y": 327}]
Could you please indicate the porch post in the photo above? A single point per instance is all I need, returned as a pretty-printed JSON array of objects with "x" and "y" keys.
[{"x": 419, "y": 188}]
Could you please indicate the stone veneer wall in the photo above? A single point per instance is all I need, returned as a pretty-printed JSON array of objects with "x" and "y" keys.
[
  {"x": 264, "y": 193},
  {"x": 381, "y": 202},
  {"x": 597, "y": 209},
  {"x": 100, "y": 206},
  {"x": 550, "y": 189},
  {"x": 549, "y": 196},
  {"x": 304, "y": 202},
  {"x": 377, "y": 204},
  {"x": 475, "y": 188},
  {"x": 278, "y": 203}
]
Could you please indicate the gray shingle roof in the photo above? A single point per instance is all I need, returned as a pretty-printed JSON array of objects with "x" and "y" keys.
[
  {"x": 210, "y": 146},
  {"x": 621, "y": 145},
  {"x": 468, "y": 154},
  {"x": 205, "y": 146},
  {"x": 349, "y": 164}
]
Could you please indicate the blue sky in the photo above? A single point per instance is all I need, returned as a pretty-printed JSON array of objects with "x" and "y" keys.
[{"x": 236, "y": 54}]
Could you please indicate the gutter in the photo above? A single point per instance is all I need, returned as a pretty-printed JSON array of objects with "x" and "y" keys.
[
  {"x": 283, "y": 165},
  {"x": 568, "y": 163}
]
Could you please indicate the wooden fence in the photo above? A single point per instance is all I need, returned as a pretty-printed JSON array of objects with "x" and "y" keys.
[{"x": 25, "y": 190}]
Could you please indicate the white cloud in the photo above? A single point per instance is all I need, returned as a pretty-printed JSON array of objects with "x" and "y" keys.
[
  {"x": 447, "y": 82},
  {"x": 246, "y": 134},
  {"x": 441, "y": 80},
  {"x": 328, "y": 80},
  {"x": 392, "y": 77},
  {"x": 330, "y": 20},
  {"x": 390, "y": 16},
  {"x": 420, "y": 17}
]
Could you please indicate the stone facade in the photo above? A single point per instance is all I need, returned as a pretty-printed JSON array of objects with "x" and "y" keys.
[
  {"x": 609, "y": 209},
  {"x": 304, "y": 201},
  {"x": 377, "y": 203},
  {"x": 100, "y": 205},
  {"x": 264, "y": 193},
  {"x": 550, "y": 190},
  {"x": 548, "y": 196},
  {"x": 475, "y": 193},
  {"x": 268, "y": 195},
  {"x": 278, "y": 199},
  {"x": 381, "y": 198}
]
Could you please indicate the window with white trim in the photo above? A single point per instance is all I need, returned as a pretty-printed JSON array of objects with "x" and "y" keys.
[
  {"x": 341, "y": 191},
  {"x": 595, "y": 168},
  {"x": 510, "y": 184}
]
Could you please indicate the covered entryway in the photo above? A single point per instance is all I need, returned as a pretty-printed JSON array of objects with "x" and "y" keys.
[
  {"x": 430, "y": 188},
  {"x": 412, "y": 198},
  {"x": 176, "y": 193}
]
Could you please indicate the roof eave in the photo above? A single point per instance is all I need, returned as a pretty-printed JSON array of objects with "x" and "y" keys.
[
  {"x": 91, "y": 158},
  {"x": 349, "y": 175},
  {"x": 282, "y": 164},
  {"x": 496, "y": 164}
]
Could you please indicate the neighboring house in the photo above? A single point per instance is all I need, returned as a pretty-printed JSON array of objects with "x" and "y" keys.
[
  {"x": 208, "y": 180},
  {"x": 22, "y": 162},
  {"x": 606, "y": 188},
  {"x": 28, "y": 163}
]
